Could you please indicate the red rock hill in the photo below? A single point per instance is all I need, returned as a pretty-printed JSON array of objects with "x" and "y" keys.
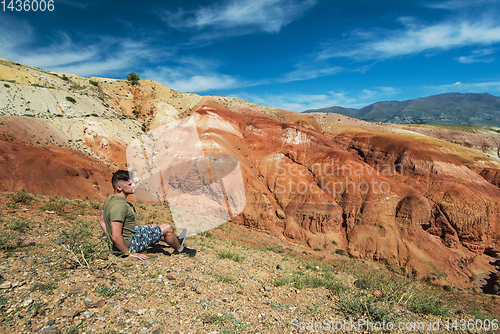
[{"x": 380, "y": 192}]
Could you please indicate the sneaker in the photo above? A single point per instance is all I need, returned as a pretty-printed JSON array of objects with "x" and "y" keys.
[
  {"x": 186, "y": 251},
  {"x": 181, "y": 237}
]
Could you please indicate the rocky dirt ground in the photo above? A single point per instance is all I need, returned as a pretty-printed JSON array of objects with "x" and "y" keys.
[{"x": 56, "y": 277}]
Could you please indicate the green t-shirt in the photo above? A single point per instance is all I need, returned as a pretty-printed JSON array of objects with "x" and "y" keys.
[{"x": 116, "y": 208}]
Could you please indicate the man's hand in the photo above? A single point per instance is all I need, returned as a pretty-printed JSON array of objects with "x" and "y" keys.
[{"x": 139, "y": 256}]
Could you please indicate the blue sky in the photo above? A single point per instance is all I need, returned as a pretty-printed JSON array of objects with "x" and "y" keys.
[{"x": 294, "y": 54}]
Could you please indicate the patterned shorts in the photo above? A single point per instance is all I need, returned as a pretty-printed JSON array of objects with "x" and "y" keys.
[{"x": 144, "y": 237}]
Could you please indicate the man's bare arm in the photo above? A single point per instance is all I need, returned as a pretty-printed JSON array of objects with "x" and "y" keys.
[
  {"x": 117, "y": 236},
  {"x": 119, "y": 241},
  {"x": 101, "y": 222}
]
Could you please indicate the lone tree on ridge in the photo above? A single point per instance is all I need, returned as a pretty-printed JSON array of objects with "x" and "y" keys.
[{"x": 133, "y": 78}]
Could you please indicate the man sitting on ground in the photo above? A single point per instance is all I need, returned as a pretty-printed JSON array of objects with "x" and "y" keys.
[{"x": 117, "y": 221}]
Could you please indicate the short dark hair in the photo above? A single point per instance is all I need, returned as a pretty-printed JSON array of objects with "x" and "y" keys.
[{"x": 121, "y": 175}]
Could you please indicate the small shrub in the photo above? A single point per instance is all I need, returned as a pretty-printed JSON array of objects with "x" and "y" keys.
[
  {"x": 38, "y": 308},
  {"x": 218, "y": 319},
  {"x": 92, "y": 82},
  {"x": 340, "y": 252},
  {"x": 81, "y": 243},
  {"x": 65, "y": 78},
  {"x": 45, "y": 288},
  {"x": 70, "y": 99},
  {"x": 328, "y": 281},
  {"x": 106, "y": 291},
  {"x": 231, "y": 255},
  {"x": 228, "y": 320},
  {"x": 22, "y": 197},
  {"x": 274, "y": 248},
  {"x": 316, "y": 266},
  {"x": 8, "y": 240},
  {"x": 428, "y": 305},
  {"x": 153, "y": 274},
  {"x": 314, "y": 309},
  {"x": 206, "y": 234},
  {"x": 359, "y": 306},
  {"x": 20, "y": 226},
  {"x": 225, "y": 278},
  {"x": 54, "y": 205},
  {"x": 77, "y": 87},
  {"x": 6, "y": 85},
  {"x": 281, "y": 281},
  {"x": 95, "y": 204}
]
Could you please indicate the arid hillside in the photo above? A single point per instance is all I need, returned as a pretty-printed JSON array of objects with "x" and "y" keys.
[
  {"x": 57, "y": 276},
  {"x": 421, "y": 203}
]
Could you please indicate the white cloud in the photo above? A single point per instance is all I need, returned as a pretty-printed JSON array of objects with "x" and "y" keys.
[
  {"x": 462, "y": 87},
  {"x": 93, "y": 56},
  {"x": 101, "y": 57},
  {"x": 16, "y": 46},
  {"x": 91, "y": 68},
  {"x": 205, "y": 83},
  {"x": 308, "y": 72},
  {"x": 191, "y": 74},
  {"x": 296, "y": 102},
  {"x": 417, "y": 38},
  {"x": 458, "y": 4},
  {"x": 107, "y": 55},
  {"x": 60, "y": 52},
  {"x": 477, "y": 56},
  {"x": 196, "y": 83},
  {"x": 260, "y": 15},
  {"x": 19, "y": 31}
]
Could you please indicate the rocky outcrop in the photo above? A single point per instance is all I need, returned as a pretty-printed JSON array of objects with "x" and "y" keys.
[
  {"x": 486, "y": 140},
  {"x": 379, "y": 196},
  {"x": 60, "y": 172}
]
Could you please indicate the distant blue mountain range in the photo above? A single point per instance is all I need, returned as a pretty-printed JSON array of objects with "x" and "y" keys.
[{"x": 444, "y": 109}]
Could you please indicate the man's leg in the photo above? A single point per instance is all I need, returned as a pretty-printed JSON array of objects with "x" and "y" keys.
[
  {"x": 169, "y": 236},
  {"x": 171, "y": 239}
]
